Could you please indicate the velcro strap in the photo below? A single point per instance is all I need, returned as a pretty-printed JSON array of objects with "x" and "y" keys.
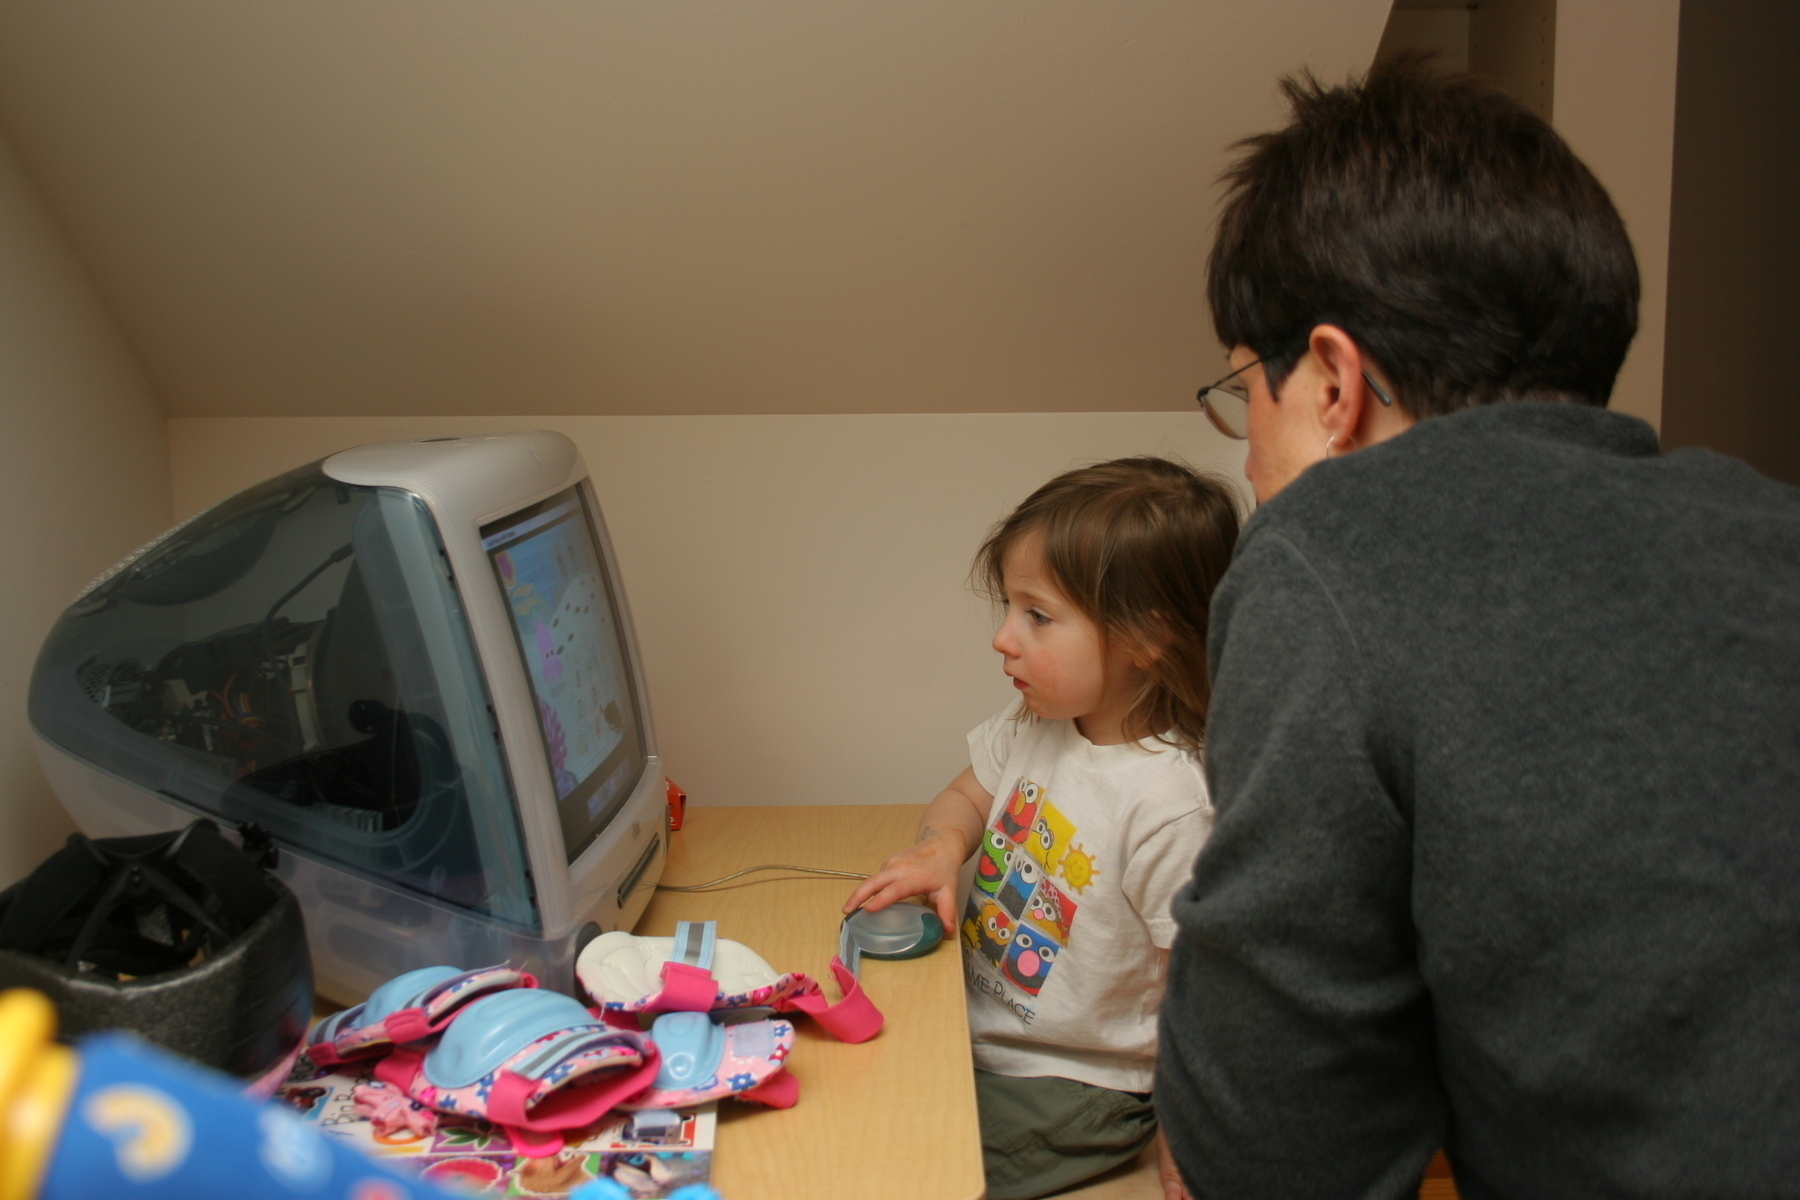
[
  {"x": 401, "y": 1068},
  {"x": 444, "y": 1002},
  {"x": 409, "y": 1025},
  {"x": 780, "y": 1090},
  {"x": 685, "y": 989},
  {"x": 852, "y": 1019},
  {"x": 533, "y": 1143},
  {"x": 324, "y": 1055},
  {"x": 547, "y": 1054},
  {"x": 694, "y": 943},
  {"x": 567, "y": 1108}
]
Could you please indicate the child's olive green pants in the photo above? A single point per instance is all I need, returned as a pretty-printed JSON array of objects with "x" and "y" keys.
[{"x": 1044, "y": 1134}]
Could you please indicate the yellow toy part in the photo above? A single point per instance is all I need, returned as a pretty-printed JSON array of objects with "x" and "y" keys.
[{"x": 37, "y": 1077}]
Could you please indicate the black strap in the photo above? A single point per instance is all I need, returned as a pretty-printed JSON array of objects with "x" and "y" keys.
[
  {"x": 92, "y": 901},
  {"x": 68, "y": 880}
]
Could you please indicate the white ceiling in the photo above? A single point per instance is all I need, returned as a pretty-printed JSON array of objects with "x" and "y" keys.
[{"x": 441, "y": 207}]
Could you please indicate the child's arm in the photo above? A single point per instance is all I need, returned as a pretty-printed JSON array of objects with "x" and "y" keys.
[{"x": 948, "y": 834}]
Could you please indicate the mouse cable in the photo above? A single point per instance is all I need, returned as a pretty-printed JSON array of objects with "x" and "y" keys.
[{"x": 710, "y": 884}]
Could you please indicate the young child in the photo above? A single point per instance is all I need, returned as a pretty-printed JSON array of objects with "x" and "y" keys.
[{"x": 1084, "y": 807}]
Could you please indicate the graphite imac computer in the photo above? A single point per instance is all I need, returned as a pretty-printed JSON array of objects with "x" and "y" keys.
[{"x": 411, "y": 664}]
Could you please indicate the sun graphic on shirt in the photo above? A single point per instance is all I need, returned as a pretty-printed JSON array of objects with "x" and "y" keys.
[{"x": 1078, "y": 867}]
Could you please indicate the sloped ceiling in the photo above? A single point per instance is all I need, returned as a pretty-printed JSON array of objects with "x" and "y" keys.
[{"x": 441, "y": 207}]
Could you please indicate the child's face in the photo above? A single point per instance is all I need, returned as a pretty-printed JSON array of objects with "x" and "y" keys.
[{"x": 1056, "y": 656}]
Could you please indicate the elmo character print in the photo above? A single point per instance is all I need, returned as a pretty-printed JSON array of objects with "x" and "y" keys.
[{"x": 1021, "y": 809}]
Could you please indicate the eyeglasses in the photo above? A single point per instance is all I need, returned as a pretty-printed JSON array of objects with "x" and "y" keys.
[{"x": 1227, "y": 402}]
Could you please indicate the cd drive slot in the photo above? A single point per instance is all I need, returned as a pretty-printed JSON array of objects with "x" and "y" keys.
[{"x": 630, "y": 882}]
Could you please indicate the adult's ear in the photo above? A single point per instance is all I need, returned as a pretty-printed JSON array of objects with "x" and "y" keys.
[
  {"x": 1340, "y": 393},
  {"x": 1347, "y": 406}
]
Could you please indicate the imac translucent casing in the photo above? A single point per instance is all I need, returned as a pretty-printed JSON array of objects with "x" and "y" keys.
[{"x": 413, "y": 665}]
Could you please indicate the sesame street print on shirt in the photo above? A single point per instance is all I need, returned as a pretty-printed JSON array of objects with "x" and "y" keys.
[
  {"x": 1083, "y": 848},
  {"x": 1020, "y": 913}
]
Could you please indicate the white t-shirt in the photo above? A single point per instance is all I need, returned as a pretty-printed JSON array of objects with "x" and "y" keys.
[{"x": 1084, "y": 849}]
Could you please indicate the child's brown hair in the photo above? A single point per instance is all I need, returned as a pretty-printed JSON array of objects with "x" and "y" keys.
[{"x": 1138, "y": 545}]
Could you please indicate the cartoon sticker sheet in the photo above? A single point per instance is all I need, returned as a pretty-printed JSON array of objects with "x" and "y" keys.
[
  {"x": 552, "y": 581},
  {"x": 1022, "y": 909},
  {"x": 475, "y": 1157}
]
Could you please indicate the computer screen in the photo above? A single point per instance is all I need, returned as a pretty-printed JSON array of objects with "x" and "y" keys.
[{"x": 566, "y": 622}]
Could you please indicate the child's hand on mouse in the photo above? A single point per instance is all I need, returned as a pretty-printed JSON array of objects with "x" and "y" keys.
[
  {"x": 926, "y": 868},
  {"x": 929, "y": 867}
]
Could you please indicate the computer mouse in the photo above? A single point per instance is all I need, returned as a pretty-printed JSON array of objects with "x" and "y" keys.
[{"x": 897, "y": 931}]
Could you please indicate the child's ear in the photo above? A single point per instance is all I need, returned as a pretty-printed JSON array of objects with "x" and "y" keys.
[{"x": 1147, "y": 646}]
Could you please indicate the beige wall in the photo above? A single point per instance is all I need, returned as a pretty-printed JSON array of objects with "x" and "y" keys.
[
  {"x": 1615, "y": 103},
  {"x": 1734, "y": 244},
  {"x": 303, "y": 207},
  {"x": 1514, "y": 43},
  {"x": 84, "y": 477},
  {"x": 797, "y": 581},
  {"x": 1443, "y": 32}
]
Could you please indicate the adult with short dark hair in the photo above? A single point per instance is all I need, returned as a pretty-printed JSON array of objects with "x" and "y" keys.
[{"x": 1505, "y": 742}]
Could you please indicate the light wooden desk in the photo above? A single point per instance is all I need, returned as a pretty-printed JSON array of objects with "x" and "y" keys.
[{"x": 891, "y": 1119}]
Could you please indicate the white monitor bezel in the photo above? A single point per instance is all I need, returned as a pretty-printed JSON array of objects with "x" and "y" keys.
[{"x": 467, "y": 483}]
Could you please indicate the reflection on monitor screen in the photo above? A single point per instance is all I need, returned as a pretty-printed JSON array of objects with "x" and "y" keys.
[{"x": 547, "y": 560}]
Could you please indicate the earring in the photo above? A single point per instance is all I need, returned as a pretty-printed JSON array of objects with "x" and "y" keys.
[{"x": 1329, "y": 443}]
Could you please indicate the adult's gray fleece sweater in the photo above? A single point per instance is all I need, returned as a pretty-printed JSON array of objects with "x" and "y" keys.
[{"x": 1505, "y": 746}]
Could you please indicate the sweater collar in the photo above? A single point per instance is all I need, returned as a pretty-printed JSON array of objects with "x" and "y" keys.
[{"x": 1578, "y": 424}]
